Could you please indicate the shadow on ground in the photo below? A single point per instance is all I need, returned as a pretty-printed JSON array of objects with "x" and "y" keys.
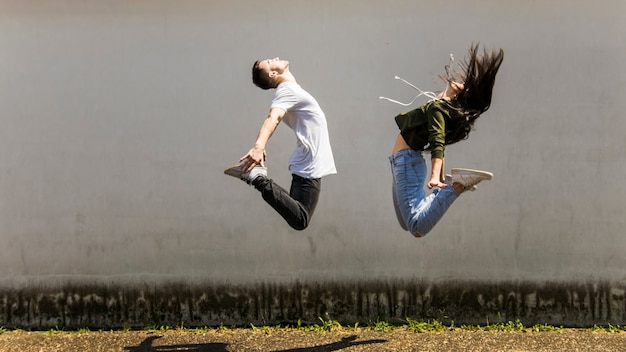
[
  {"x": 146, "y": 346},
  {"x": 334, "y": 346}
]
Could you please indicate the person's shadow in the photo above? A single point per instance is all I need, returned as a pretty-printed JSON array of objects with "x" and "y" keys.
[
  {"x": 146, "y": 346},
  {"x": 334, "y": 346}
]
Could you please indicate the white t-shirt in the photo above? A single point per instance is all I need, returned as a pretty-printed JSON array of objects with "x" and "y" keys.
[{"x": 313, "y": 156}]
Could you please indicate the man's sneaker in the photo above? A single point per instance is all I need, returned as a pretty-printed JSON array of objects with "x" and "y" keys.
[
  {"x": 448, "y": 180},
  {"x": 238, "y": 172},
  {"x": 469, "y": 178}
]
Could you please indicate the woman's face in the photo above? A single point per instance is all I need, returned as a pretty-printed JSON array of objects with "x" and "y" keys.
[
  {"x": 452, "y": 90},
  {"x": 455, "y": 87}
]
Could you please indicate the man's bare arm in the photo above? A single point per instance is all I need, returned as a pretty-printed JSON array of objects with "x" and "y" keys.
[{"x": 256, "y": 155}]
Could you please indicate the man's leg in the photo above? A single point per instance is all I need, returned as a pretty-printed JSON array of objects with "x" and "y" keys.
[{"x": 297, "y": 206}]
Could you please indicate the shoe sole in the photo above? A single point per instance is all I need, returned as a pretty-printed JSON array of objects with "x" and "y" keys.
[
  {"x": 486, "y": 174},
  {"x": 234, "y": 171}
]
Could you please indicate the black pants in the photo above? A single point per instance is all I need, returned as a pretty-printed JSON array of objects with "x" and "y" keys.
[{"x": 297, "y": 206}]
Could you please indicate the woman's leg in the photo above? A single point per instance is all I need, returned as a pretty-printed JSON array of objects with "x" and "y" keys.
[
  {"x": 420, "y": 212},
  {"x": 396, "y": 207},
  {"x": 399, "y": 145}
]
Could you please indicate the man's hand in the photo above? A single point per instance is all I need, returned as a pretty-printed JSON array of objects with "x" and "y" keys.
[{"x": 256, "y": 156}]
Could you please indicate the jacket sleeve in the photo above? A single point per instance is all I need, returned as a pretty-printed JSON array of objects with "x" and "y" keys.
[{"x": 436, "y": 132}]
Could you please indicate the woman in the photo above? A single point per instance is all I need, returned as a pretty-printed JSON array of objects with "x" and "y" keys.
[{"x": 446, "y": 119}]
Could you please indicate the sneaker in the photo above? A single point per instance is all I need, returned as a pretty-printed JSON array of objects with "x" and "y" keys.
[
  {"x": 449, "y": 181},
  {"x": 238, "y": 172},
  {"x": 469, "y": 178}
]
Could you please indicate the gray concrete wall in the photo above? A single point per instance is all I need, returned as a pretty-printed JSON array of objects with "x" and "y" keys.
[{"x": 119, "y": 117}]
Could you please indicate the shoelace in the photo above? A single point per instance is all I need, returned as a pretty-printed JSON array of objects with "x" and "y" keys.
[{"x": 431, "y": 95}]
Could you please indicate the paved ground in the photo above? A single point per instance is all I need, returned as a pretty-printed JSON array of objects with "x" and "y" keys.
[{"x": 285, "y": 340}]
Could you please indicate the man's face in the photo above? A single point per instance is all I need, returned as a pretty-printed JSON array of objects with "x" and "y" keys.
[{"x": 275, "y": 65}]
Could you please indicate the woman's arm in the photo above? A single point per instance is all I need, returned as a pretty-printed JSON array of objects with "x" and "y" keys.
[{"x": 436, "y": 175}]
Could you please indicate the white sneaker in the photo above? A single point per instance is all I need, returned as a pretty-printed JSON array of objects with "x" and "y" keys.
[
  {"x": 449, "y": 181},
  {"x": 238, "y": 172},
  {"x": 469, "y": 178}
]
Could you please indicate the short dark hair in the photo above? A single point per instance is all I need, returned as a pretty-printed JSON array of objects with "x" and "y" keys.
[{"x": 261, "y": 77}]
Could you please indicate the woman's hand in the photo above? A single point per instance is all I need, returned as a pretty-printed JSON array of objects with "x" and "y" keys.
[
  {"x": 435, "y": 182},
  {"x": 436, "y": 176}
]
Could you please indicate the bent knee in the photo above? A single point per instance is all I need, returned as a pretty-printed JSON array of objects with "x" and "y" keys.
[
  {"x": 419, "y": 229},
  {"x": 299, "y": 226},
  {"x": 300, "y": 222}
]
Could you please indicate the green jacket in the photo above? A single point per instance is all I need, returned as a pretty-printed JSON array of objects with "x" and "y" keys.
[{"x": 425, "y": 127}]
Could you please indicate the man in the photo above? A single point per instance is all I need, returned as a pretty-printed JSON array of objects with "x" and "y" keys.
[{"x": 311, "y": 160}]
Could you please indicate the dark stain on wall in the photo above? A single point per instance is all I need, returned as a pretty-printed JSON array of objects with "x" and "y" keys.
[{"x": 210, "y": 304}]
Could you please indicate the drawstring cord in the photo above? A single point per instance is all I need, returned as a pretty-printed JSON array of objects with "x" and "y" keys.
[{"x": 431, "y": 95}]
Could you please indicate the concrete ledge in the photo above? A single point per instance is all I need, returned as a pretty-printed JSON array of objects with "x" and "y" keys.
[{"x": 194, "y": 304}]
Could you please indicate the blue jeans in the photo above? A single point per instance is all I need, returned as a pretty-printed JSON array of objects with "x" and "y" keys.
[{"x": 416, "y": 212}]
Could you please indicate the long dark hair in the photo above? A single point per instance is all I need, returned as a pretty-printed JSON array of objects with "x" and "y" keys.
[{"x": 478, "y": 74}]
